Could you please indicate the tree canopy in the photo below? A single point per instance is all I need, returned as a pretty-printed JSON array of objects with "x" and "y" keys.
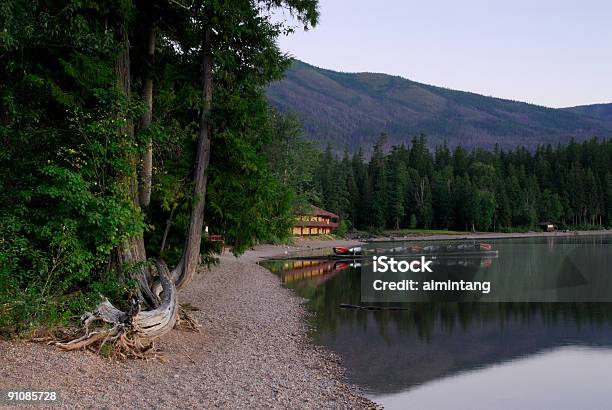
[{"x": 127, "y": 127}]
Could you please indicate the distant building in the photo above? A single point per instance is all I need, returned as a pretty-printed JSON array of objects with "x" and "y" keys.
[
  {"x": 315, "y": 221},
  {"x": 548, "y": 226}
]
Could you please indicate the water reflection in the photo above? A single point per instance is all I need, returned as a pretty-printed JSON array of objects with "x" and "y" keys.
[
  {"x": 566, "y": 378},
  {"x": 316, "y": 271},
  {"x": 424, "y": 350}
]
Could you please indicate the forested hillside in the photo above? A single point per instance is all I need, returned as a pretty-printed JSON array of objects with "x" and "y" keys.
[
  {"x": 414, "y": 187},
  {"x": 600, "y": 111},
  {"x": 350, "y": 110}
]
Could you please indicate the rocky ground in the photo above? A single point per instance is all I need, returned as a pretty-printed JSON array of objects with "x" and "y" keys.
[{"x": 253, "y": 351}]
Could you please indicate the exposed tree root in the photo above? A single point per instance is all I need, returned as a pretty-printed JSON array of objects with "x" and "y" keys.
[
  {"x": 132, "y": 332},
  {"x": 116, "y": 342},
  {"x": 186, "y": 319}
]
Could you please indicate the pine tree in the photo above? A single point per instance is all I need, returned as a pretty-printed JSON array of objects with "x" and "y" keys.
[
  {"x": 397, "y": 182},
  {"x": 442, "y": 198},
  {"x": 484, "y": 210},
  {"x": 378, "y": 175}
]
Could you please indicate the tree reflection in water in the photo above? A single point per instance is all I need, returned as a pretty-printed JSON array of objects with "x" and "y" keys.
[{"x": 387, "y": 351}]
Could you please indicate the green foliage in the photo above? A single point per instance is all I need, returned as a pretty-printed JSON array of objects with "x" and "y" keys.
[
  {"x": 342, "y": 229},
  {"x": 485, "y": 210},
  {"x": 292, "y": 160},
  {"x": 407, "y": 187},
  {"x": 72, "y": 141},
  {"x": 61, "y": 119},
  {"x": 551, "y": 208}
]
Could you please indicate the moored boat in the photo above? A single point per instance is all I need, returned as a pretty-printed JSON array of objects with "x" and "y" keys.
[
  {"x": 341, "y": 251},
  {"x": 485, "y": 246}
]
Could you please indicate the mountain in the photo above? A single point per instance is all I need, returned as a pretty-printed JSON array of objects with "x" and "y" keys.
[
  {"x": 600, "y": 111},
  {"x": 350, "y": 110}
]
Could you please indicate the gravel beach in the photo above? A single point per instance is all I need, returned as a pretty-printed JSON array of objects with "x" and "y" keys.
[{"x": 253, "y": 351}]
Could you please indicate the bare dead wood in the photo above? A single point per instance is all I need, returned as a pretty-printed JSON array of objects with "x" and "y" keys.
[
  {"x": 131, "y": 255},
  {"x": 131, "y": 333},
  {"x": 156, "y": 322}
]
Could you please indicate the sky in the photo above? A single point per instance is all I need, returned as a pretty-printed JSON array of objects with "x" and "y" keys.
[{"x": 552, "y": 53}]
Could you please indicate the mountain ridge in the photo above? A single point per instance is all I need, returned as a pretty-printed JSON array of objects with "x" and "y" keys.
[
  {"x": 350, "y": 110},
  {"x": 602, "y": 111}
]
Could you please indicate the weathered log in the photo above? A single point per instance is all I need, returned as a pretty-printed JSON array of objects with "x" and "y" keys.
[
  {"x": 154, "y": 323},
  {"x": 130, "y": 329}
]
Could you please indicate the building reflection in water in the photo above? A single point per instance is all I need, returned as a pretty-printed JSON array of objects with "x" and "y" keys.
[{"x": 317, "y": 271}]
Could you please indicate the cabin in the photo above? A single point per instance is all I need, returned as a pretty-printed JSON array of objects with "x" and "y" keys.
[
  {"x": 314, "y": 221},
  {"x": 548, "y": 226}
]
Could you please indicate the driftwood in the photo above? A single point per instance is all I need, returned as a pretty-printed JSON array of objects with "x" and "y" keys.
[{"x": 131, "y": 333}]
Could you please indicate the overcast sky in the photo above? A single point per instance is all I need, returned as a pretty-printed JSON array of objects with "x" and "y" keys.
[{"x": 553, "y": 53}]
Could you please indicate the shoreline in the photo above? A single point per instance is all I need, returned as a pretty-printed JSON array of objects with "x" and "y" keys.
[
  {"x": 254, "y": 350},
  {"x": 323, "y": 247},
  {"x": 487, "y": 235}
]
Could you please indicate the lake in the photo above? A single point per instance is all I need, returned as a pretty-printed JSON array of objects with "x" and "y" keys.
[{"x": 462, "y": 352}]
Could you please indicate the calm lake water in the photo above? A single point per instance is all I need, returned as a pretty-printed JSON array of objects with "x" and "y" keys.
[{"x": 467, "y": 355}]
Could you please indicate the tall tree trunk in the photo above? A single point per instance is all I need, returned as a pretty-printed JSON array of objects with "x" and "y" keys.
[
  {"x": 146, "y": 173},
  {"x": 191, "y": 253},
  {"x": 132, "y": 251}
]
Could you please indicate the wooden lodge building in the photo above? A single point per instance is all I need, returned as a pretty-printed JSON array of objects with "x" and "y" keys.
[{"x": 315, "y": 221}]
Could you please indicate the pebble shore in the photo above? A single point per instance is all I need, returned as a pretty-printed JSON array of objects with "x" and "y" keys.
[{"x": 253, "y": 351}]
